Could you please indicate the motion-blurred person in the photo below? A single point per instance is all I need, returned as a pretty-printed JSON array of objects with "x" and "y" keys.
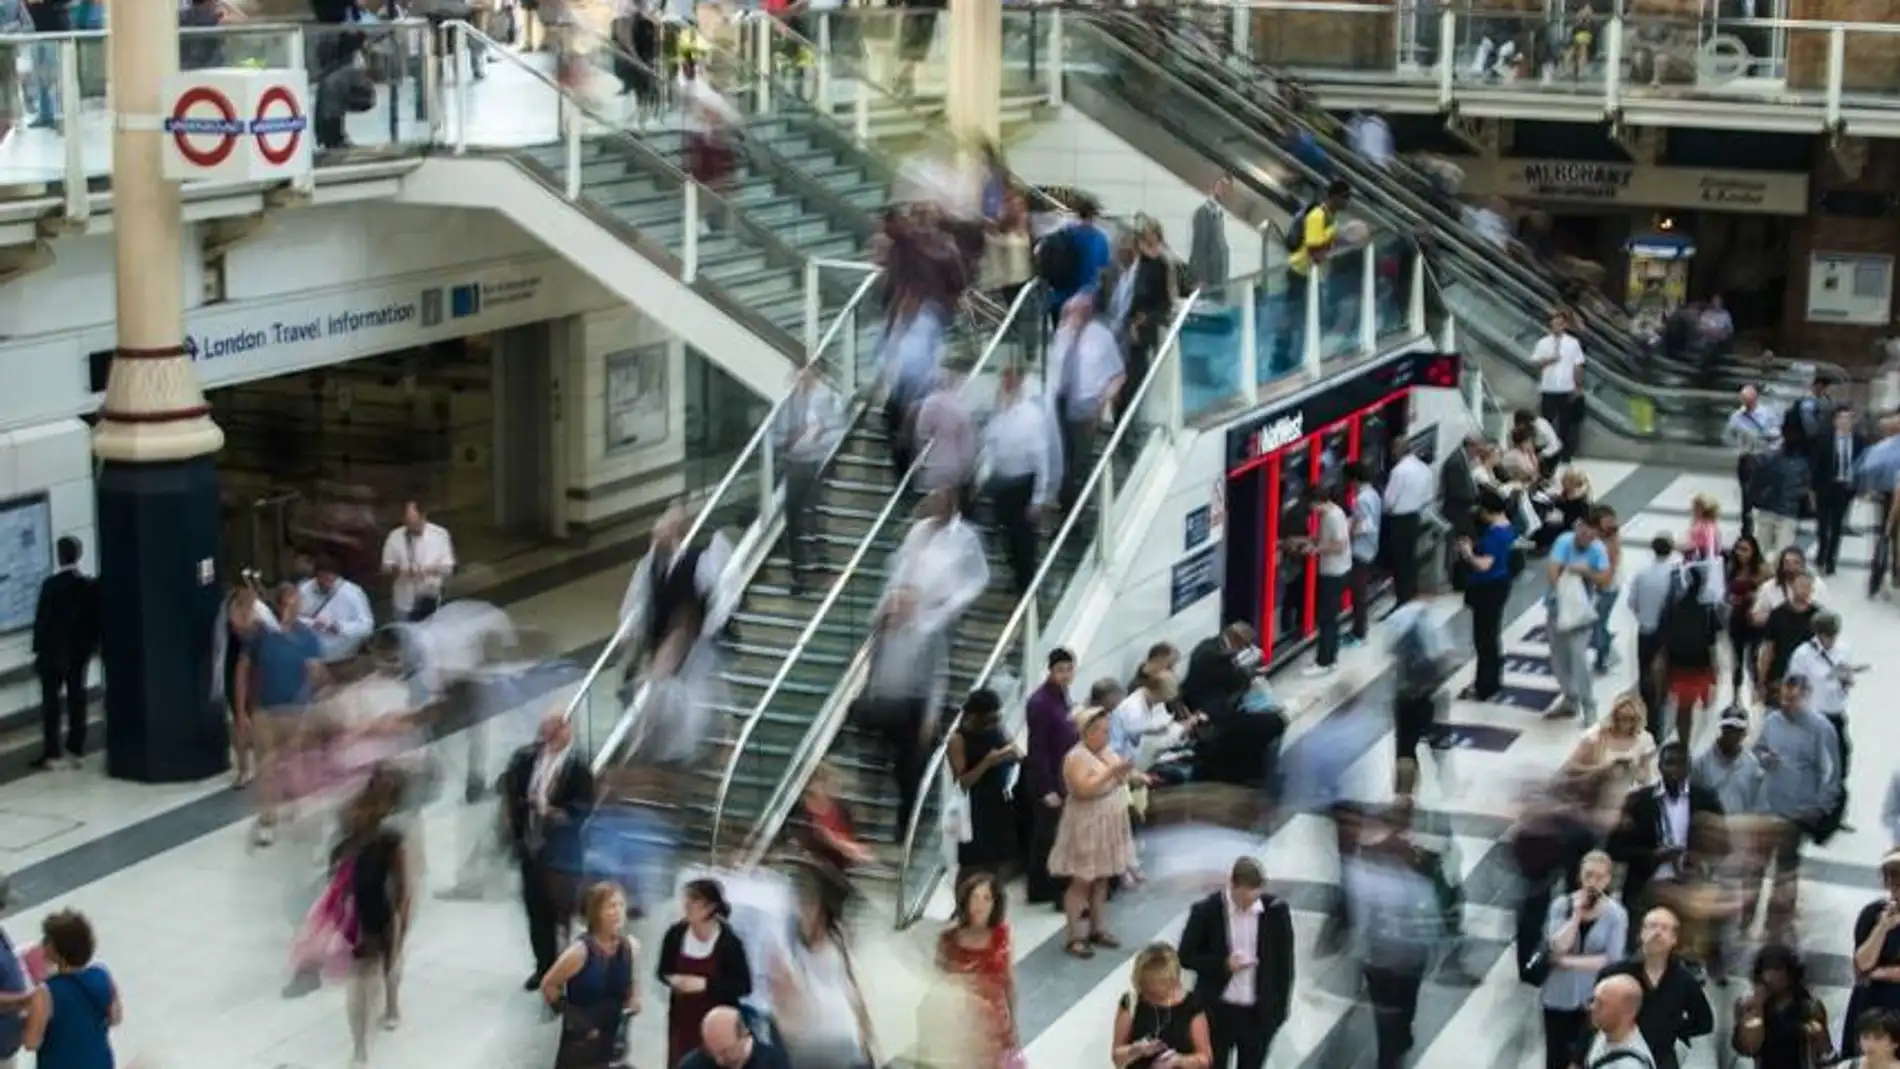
[
  {"x": 984, "y": 763},
  {"x": 936, "y": 573},
  {"x": 66, "y": 623},
  {"x": 1024, "y": 449},
  {"x": 338, "y": 611},
  {"x": 1094, "y": 844},
  {"x": 1667, "y": 832},
  {"x": 420, "y": 556},
  {"x": 1778, "y": 486},
  {"x": 1613, "y": 1012},
  {"x": 1397, "y": 920},
  {"x": 1674, "y": 1009},
  {"x": 1422, "y": 662},
  {"x": 1584, "y": 932},
  {"x": 823, "y": 826},
  {"x": 1579, "y": 566},
  {"x": 709, "y": 120},
  {"x": 817, "y": 1003},
  {"x": 1798, "y": 751},
  {"x": 1651, "y": 590},
  {"x": 381, "y": 869},
  {"x": 241, "y": 616},
  {"x": 547, "y": 790},
  {"x": 1070, "y": 260},
  {"x": 1151, "y": 299},
  {"x": 703, "y": 967},
  {"x": 945, "y": 424},
  {"x": 1755, "y": 434},
  {"x": 1877, "y": 949},
  {"x": 594, "y": 985},
  {"x": 1488, "y": 576},
  {"x": 1779, "y": 1022},
  {"x": 1159, "y": 1024},
  {"x": 287, "y": 667},
  {"x": 78, "y": 1002},
  {"x": 1239, "y": 944},
  {"x": 908, "y": 349},
  {"x": 1409, "y": 494},
  {"x": 1085, "y": 377},
  {"x": 975, "y": 951},
  {"x": 677, "y": 587},
  {"x": 1052, "y": 734},
  {"x": 807, "y": 430}
]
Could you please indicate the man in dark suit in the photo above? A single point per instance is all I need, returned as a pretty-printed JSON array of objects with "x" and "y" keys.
[
  {"x": 1834, "y": 459},
  {"x": 1665, "y": 829},
  {"x": 1239, "y": 942},
  {"x": 1234, "y": 746},
  {"x": 65, "y": 637},
  {"x": 547, "y": 790},
  {"x": 1458, "y": 488}
]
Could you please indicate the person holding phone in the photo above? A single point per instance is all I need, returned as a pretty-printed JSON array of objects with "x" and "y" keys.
[
  {"x": 1159, "y": 1025},
  {"x": 1876, "y": 953},
  {"x": 1584, "y": 932}
]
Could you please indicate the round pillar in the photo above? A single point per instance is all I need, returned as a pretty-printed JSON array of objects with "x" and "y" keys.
[
  {"x": 975, "y": 91},
  {"x": 157, "y": 486}
]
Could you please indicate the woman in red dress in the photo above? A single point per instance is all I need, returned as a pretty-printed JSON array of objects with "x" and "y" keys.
[{"x": 975, "y": 950}]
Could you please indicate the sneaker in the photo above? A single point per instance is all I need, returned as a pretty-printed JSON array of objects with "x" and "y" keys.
[
  {"x": 264, "y": 835},
  {"x": 76, "y": 763},
  {"x": 1316, "y": 671},
  {"x": 44, "y": 764},
  {"x": 1562, "y": 711}
]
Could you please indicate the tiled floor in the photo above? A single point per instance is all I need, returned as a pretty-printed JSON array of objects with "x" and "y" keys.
[{"x": 176, "y": 894}]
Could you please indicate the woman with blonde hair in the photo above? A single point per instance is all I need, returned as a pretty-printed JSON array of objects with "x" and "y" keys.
[
  {"x": 1705, "y": 534},
  {"x": 592, "y": 983},
  {"x": 1159, "y": 1023},
  {"x": 1616, "y": 755}
]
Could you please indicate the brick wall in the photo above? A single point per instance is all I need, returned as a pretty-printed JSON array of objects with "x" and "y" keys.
[
  {"x": 1873, "y": 60},
  {"x": 1851, "y": 346}
]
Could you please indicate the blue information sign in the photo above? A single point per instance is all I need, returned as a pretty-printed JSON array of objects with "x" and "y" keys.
[
  {"x": 1198, "y": 525},
  {"x": 1194, "y": 578}
]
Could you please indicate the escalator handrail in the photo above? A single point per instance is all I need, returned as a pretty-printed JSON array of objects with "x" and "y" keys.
[
  {"x": 1443, "y": 225},
  {"x": 757, "y": 714},
  {"x": 764, "y": 237},
  {"x": 1168, "y": 351},
  {"x": 746, "y": 458}
]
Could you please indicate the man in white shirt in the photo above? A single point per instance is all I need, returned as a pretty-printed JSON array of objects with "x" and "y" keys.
[
  {"x": 1084, "y": 377},
  {"x": 420, "y": 556},
  {"x": 806, "y": 431},
  {"x": 1332, "y": 554},
  {"x": 338, "y": 611},
  {"x": 1372, "y": 138},
  {"x": 1368, "y": 515},
  {"x": 1755, "y": 432},
  {"x": 945, "y": 425},
  {"x": 1559, "y": 358},
  {"x": 1024, "y": 451},
  {"x": 1409, "y": 491}
]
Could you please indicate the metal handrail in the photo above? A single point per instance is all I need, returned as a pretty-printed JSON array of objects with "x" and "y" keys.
[
  {"x": 804, "y": 638},
  {"x": 764, "y": 237},
  {"x": 1395, "y": 207},
  {"x": 719, "y": 491},
  {"x": 233, "y": 29},
  {"x": 1169, "y": 350}
]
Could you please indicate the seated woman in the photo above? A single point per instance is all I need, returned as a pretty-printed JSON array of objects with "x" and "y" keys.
[{"x": 1562, "y": 512}]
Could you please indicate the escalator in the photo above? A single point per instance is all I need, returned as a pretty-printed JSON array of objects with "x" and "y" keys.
[
  {"x": 995, "y": 644},
  {"x": 1116, "y": 85}
]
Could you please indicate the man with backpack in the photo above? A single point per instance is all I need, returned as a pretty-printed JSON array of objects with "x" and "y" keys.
[
  {"x": 1421, "y": 661},
  {"x": 1071, "y": 258},
  {"x": 1308, "y": 240}
]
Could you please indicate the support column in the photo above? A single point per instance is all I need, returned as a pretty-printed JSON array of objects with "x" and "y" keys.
[
  {"x": 158, "y": 483},
  {"x": 975, "y": 90}
]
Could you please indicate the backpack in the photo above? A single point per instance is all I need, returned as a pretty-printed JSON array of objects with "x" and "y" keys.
[
  {"x": 1059, "y": 260},
  {"x": 1295, "y": 237},
  {"x": 1688, "y": 623}
]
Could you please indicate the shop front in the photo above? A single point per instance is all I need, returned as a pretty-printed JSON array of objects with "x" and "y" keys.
[{"x": 1275, "y": 455}]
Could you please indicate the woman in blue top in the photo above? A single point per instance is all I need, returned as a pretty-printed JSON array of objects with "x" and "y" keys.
[
  {"x": 592, "y": 985},
  {"x": 81, "y": 1003},
  {"x": 1487, "y": 587}
]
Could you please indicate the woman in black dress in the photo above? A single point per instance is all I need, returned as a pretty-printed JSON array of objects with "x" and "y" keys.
[
  {"x": 981, "y": 758},
  {"x": 1876, "y": 952},
  {"x": 377, "y": 854},
  {"x": 1159, "y": 1024},
  {"x": 1779, "y": 1023}
]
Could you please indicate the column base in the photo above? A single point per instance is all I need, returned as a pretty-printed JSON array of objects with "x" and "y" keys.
[{"x": 158, "y": 545}]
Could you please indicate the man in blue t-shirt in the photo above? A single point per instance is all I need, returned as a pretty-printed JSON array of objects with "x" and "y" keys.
[
  {"x": 1580, "y": 552},
  {"x": 284, "y": 665}
]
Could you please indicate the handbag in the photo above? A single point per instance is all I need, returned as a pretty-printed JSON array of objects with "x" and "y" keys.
[{"x": 1575, "y": 609}]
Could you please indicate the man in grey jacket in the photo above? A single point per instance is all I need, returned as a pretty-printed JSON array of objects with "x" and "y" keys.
[{"x": 1801, "y": 779}]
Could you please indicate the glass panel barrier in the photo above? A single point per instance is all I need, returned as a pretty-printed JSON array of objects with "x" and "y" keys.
[
  {"x": 1213, "y": 343},
  {"x": 1276, "y": 316},
  {"x": 1342, "y": 302},
  {"x": 1392, "y": 286},
  {"x": 405, "y": 114}
]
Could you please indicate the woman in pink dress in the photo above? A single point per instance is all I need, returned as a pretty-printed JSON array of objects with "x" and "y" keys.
[
  {"x": 1094, "y": 843},
  {"x": 975, "y": 950}
]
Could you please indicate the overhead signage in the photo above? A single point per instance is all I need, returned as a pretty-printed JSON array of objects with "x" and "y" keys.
[
  {"x": 1638, "y": 185},
  {"x": 236, "y": 125},
  {"x": 1280, "y": 425}
]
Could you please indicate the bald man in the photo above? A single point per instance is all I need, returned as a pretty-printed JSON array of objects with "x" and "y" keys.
[
  {"x": 726, "y": 1042},
  {"x": 1618, "y": 1043}
]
